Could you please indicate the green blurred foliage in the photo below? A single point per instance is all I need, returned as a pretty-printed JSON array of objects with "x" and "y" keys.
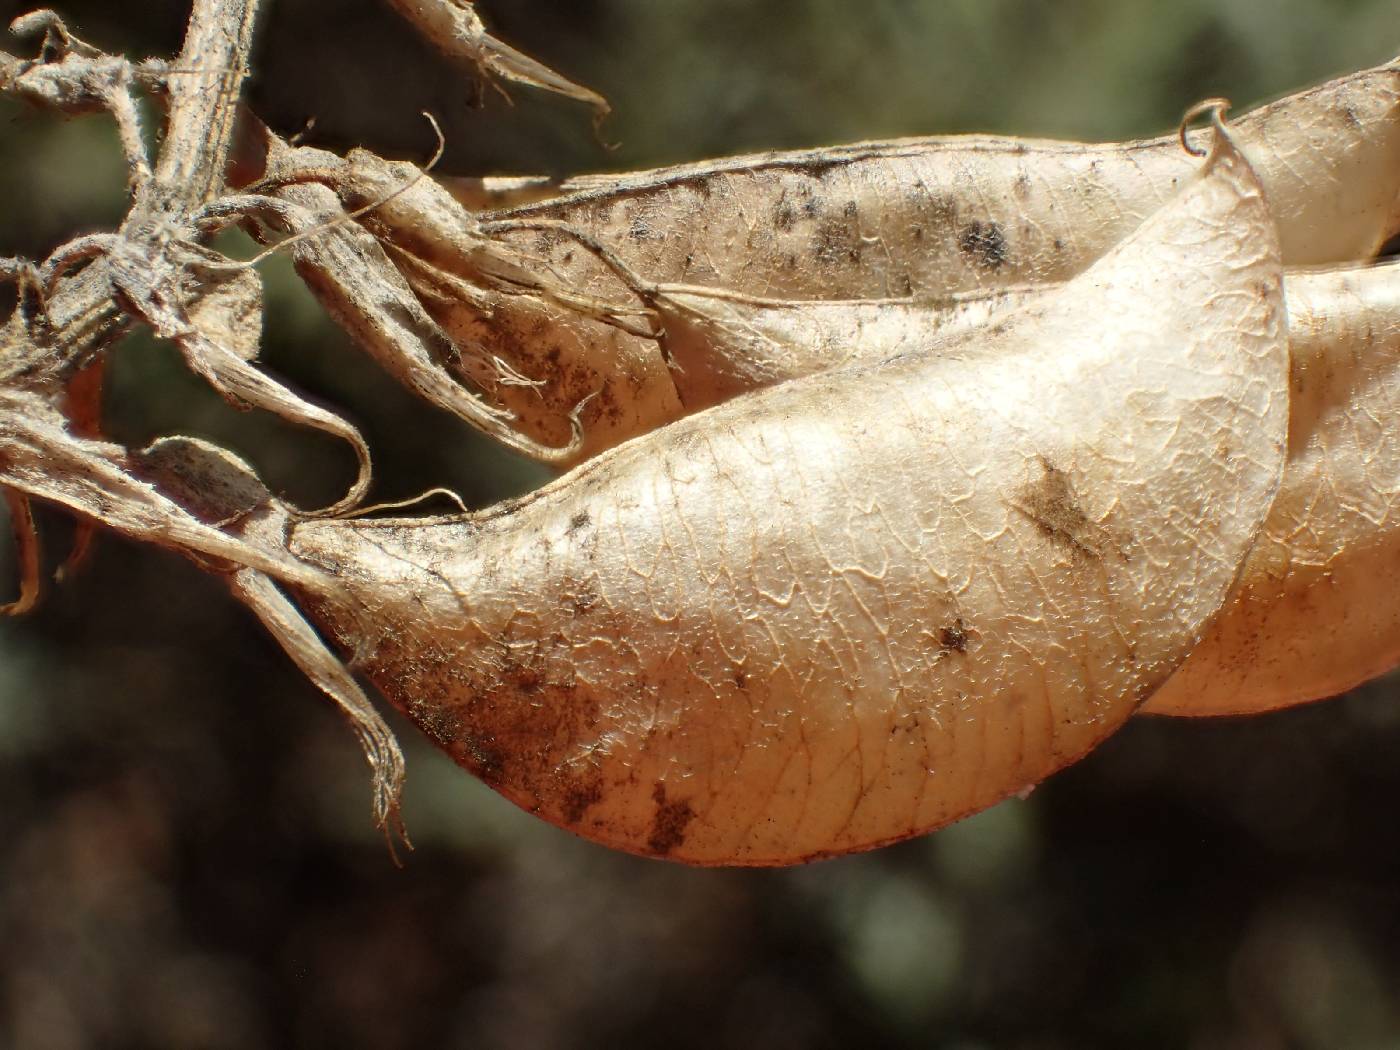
[{"x": 189, "y": 858}]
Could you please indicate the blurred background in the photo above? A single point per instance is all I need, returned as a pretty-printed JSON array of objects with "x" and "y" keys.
[{"x": 188, "y": 855}]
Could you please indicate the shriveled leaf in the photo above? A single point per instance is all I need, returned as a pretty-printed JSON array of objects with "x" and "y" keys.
[
  {"x": 454, "y": 27},
  {"x": 166, "y": 292},
  {"x": 245, "y": 385},
  {"x": 854, "y": 607},
  {"x": 469, "y": 314},
  {"x": 230, "y": 312},
  {"x": 310, "y": 654},
  {"x": 348, "y": 272},
  {"x": 217, "y": 486},
  {"x": 41, "y": 458}
]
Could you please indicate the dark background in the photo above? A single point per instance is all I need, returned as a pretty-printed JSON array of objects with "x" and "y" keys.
[{"x": 188, "y": 859}]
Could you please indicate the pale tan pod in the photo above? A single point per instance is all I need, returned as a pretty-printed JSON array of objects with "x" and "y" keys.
[
  {"x": 921, "y": 218},
  {"x": 937, "y": 216},
  {"x": 856, "y": 606},
  {"x": 1318, "y": 607}
]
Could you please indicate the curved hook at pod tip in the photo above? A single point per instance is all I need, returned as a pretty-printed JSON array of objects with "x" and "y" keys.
[{"x": 1216, "y": 108}]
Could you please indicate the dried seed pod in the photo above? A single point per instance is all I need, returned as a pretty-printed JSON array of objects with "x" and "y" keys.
[
  {"x": 1317, "y": 609},
  {"x": 824, "y": 616},
  {"x": 936, "y": 216},
  {"x": 349, "y": 274},
  {"x": 917, "y": 218},
  {"x": 722, "y": 344}
]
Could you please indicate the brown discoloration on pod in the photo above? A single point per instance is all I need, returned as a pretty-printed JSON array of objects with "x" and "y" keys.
[
  {"x": 985, "y": 244},
  {"x": 954, "y": 638},
  {"x": 1049, "y": 501},
  {"x": 669, "y": 826}
]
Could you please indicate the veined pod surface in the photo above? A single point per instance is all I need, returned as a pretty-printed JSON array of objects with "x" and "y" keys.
[
  {"x": 1318, "y": 606},
  {"x": 854, "y": 607},
  {"x": 1317, "y": 610}
]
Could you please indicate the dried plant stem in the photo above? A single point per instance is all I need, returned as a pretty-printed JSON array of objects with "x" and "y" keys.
[
  {"x": 84, "y": 316},
  {"x": 204, "y": 89}
]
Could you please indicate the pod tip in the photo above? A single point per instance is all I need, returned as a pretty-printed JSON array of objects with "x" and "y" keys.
[{"x": 1216, "y": 108}]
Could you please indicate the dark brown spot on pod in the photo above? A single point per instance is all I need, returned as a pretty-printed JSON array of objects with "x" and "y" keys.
[
  {"x": 579, "y": 796},
  {"x": 954, "y": 637},
  {"x": 837, "y": 242},
  {"x": 668, "y": 826},
  {"x": 984, "y": 243},
  {"x": 1051, "y": 503}
]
